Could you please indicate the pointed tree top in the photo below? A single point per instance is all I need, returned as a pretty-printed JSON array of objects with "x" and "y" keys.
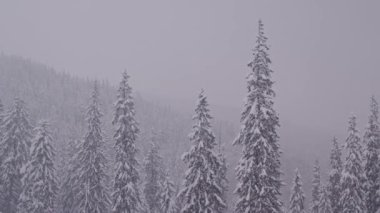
[
  {"x": 335, "y": 143},
  {"x": 316, "y": 162},
  {"x": 335, "y": 152},
  {"x": 374, "y": 109},
  {"x": 352, "y": 123},
  {"x": 201, "y": 109},
  {"x": 297, "y": 177},
  {"x": 297, "y": 196},
  {"x": 124, "y": 89},
  {"x": 19, "y": 108},
  {"x": 93, "y": 111},
  {"x": 202, "y": 94},
  {"x": 125, "y": 76},
  {"x": 154, "y": 140},
  {"x": 18, "y": 103},
  {"x": 95, "y": 91},
  {"x": 261, "y": 27},
  {"x": 261, "y": 39},
  {"x": 202, "y": 99},
  {"x": 260, "y": 53}
]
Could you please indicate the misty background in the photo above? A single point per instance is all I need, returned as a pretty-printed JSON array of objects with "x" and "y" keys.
[{"x": 325, "y": 57}]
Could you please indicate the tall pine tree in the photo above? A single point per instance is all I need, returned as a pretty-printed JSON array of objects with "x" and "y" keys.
[
  {"x": 92, "y": 193},
  {"x": 40, "y": 183},
  {"x": 202, "y": 191},
  {"x": 372, "y": 162},
  {"x": 335, "y": 176},
  {"x": 316, "y": 193},
  {"x": 297, "y": 198},
  {"x": 126, "y": 196},
  {"x": 14, "y": 154},
  {"x": 258, "y": 172},
  {"x": 352, "y": 199}
]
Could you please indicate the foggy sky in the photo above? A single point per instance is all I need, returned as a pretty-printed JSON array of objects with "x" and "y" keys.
[{"x": 325, "y": 53}]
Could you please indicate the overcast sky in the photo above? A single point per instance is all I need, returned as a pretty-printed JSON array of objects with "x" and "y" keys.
[{"x": 325, "y": 53}]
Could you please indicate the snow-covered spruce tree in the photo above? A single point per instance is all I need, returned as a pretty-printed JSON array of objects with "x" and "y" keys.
[
  {"x": 126, "y": 196},
  {"x": 297, "y": 198},
  {"x": 167, "y": 194},
  {"x": 92, "y": 195},
  {"x": 155, "y": 174},
  {"x": 324, "y": 201},
  {"x": 335, "y": 176},
  {"x": 258, "y": 172},
  {"x": 316, "y": 189},
  {"x": 14, "y": 148},
  {"x": 352, "y": 196},
  {"x": 40, "y": 183},
  {"x": 372, "y": 161},
  {"x": 202, "y": 191}
]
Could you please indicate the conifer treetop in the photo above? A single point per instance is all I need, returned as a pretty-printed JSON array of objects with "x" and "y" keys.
[
  {"x": 353, "y": 139},
  {"x": 202, "y": 122},
  {"x": 126, "y": 195},
  {"x": 336, "y": 156},
  {"x": 91, "y": 180},
  {"x": 258, "y": 172},
  {"x": 202, "y": 190},
  {"x": 353, "y": 198},
  {"x": 124, "y": 116},
  {"x": 374, "y": 116},
  {"x": 297, "y": 198},
  {"x": 40, "y": 183}
]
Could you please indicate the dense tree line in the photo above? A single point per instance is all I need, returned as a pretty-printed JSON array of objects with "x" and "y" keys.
[{"x": 29, "y": 181}]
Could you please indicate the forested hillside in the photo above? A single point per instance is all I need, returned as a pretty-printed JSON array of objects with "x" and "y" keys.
[{"x": 62, "y": 99}]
